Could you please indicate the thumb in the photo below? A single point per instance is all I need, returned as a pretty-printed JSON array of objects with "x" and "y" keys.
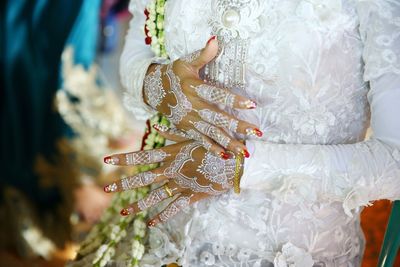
[{"x": 201, "y": 57}]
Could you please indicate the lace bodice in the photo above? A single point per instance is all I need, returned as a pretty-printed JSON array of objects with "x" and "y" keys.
[{"x": 322, "y": 72}]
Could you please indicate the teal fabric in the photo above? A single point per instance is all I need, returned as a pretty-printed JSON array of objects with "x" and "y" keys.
[
  {"x": 85, "y": 33},
  {"x": 33, "y": 34},
  {"x": 391, "y": 242}
]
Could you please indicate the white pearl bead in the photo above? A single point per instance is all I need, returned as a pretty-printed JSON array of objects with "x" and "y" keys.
[{"x": 230, "y": 18}]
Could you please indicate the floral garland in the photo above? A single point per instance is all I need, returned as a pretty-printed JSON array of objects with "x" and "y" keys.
[
  {"x": 154, "y": 27},
  {"x": 109, "y": 240},
  {"x": 118, "y": 238}
]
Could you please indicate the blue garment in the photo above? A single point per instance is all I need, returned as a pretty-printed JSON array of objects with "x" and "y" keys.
[
  {"x": 85, "y": 33},
  {"x": 33, "y": 35}
]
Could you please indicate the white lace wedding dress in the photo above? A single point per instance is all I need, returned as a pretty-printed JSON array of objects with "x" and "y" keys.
[{"x": 322, "y": 72}]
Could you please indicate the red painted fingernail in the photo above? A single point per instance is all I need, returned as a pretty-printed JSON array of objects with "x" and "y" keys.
[
  {"x": 225, "y": 155},
  {"x": 125, "y": 212},
  {"x": 212, "y": 38},
  {"x": 110, "y": 188},
  {"x": 151, "y": 223},
  {"x": 111, "y": 160},
  {"x": 107, "y": 159},
  {"x": 161, "y": 128},
  {"x": 251, "y": 105},
  {"x": 246, "y": 153},
  {"x": 254, "y": 132},
  {"x": 258, "y": 132}
]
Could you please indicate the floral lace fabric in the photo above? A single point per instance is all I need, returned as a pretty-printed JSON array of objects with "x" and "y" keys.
[{"x": 321, "y": 73}]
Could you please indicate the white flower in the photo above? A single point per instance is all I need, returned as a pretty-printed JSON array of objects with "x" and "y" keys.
[
  {"x": 280, "y": 260},
  {"x": 207, "y": 258},
  {"x": 139, "y": 227},
  {"x": 114, "y": 235},
  {"x": 231, "y": 250},
  {"x": 311, "y": 122},
  {"x": 137, "y": 250},
  {"x": 389, "y": 56},
  {"x": 295, "y": 189},
  {"x": 159, "y": 243},
  {"x": 396, "y": 155},
  {"x": 338, "y": 235},
  {"x": 100, "y": 253},
  {"x": 218, "y": 249},
  {"x": 107, "y": 256},
  {"x": 384, "y": 40},
  {"x": 321, "y": 9},
  {"x": 355, "y": 198},
  {"x": 292, "y": 256},
  {"x": 244, "y": 254}
]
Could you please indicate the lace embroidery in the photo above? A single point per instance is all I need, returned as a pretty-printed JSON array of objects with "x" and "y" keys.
[{"x": 231, "y": 25}]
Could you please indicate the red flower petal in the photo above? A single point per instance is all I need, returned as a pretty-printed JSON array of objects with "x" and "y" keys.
[{"x": 148, "y": 40}]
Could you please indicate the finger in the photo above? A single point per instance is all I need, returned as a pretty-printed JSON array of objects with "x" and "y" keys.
[
  {"x": 220, "y": 96},
  {"x": 176, "y": 135},
  {"x": 184, "y": 200},
  {"x": 200, "y": 58},
  {"x": 172, "y": 134},
  {"x": 228, "y": 122},
  {"x": 142, "y": 157},
  {"x": 220, "y": 137},
  {"x": 153, "y": 198},
  {"x": 208, "y": 143},
  {"x": 136, "y": 181}
]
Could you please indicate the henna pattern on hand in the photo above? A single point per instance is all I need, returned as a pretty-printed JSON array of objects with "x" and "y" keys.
[
  {"x": 195, "y": 135},
  {"x": 145, "y": 157},
  {"x": 179, "y": 204},
  {"x": 183, "y": 105},
  {"x": 215, "y": 95},
  {"x": 174, "y": 171},
  {"x": 139, "y": 180},
  {"x": 218, "y": 170},
  {"x": 219, "y": 120},
  {"x": 212, "y": 131},
  {"x": 190, "y": 58},
  {"x": 155, "y": 197},
  {"x": 153, "y": 87}
]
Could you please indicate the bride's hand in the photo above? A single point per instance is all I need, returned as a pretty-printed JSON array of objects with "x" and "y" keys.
[
  {"x": 188, "y": 173},
  {"x": 176, "y": 91}
]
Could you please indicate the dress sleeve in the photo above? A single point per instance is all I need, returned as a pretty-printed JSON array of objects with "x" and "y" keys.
[
  {"x": 135, "y": 59},
  {"x": 353, "y": 174}
]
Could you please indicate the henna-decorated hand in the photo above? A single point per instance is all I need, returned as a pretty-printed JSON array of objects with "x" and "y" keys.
[
  {"x": 188, "y": 173},
  {"x": 193, "y": 106}
]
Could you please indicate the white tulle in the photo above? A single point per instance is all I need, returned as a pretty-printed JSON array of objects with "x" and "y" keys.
[{"x": 321, "y": 72}]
